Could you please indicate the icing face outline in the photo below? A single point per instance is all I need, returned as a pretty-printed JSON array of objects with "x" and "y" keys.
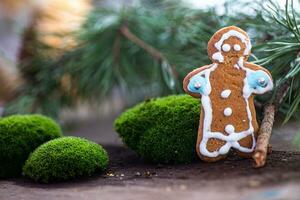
[{"x": 230, "y": 44}]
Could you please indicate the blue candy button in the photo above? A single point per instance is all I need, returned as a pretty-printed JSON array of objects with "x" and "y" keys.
[{"x": 197, "y": 84}]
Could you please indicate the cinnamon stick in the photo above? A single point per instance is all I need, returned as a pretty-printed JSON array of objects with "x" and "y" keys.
[
  {"x": 265, "y": 131},
  {"x": 264, "y": 135}
]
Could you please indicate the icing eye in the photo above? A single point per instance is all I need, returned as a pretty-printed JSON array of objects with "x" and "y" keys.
[
  {"x": 237, "y": 47},
  {"x": 226, "y": 47}
]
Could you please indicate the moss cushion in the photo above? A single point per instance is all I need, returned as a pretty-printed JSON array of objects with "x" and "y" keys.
[
  {"x": 162, "y": 130},
  {"x": 64, "y": 159},
  {"x": 19, "y": 136}
]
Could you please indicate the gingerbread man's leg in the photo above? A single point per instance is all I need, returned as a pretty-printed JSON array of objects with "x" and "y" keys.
[
  {"x": 211, "y": 145},
  {"x": 246, "y": 142},
  {"x": 250, "y": 140}
]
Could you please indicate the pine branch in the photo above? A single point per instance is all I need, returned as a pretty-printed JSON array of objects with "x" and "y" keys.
[
  {"x": 155, "y": 53},
  {"x": 139, "y": 59},
  {"x": 117, "y": 49},
  {"x": 169, "y": 71},
  {"x": 283, "y": 54},
  {"x": 151, "y": 50}
]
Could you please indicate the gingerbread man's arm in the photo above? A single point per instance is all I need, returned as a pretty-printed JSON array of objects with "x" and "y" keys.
[
  {"x": 260, "y": 79},
  {"x": 187, "y": 79},
  {"x": 257, "y": 67}
]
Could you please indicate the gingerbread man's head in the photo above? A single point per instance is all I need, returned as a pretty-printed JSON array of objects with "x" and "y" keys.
[{"x": 228, "y": 45}]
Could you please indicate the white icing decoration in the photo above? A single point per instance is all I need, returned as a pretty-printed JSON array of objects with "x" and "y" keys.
[
  {"x": 225, "y": 94},
  {"x": 232, "y": 33},
  {"x": 227, "y": 111},
  {"x": 236, "y": 66},
  {"x": 226, "y": 47},
  {"x": 218, "y": 56},
  {"x": 229, "y": 128},
  {"x": 225, "y": 148},
  {"x": 237, "y": 47},
  {"x": 232, "y": 140}
]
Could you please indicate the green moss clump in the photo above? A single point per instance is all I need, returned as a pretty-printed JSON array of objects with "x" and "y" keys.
[
  {"x": 19, "y": 136},
  {"x": 64, "y": 159},
  {"x": 162, "y": 130}
]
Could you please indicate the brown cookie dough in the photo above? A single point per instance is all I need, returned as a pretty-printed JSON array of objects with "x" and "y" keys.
[{"x": 226, "y": 88}]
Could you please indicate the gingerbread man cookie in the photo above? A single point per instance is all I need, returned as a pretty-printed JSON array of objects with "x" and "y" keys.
[{"x": 226, "y": 88}]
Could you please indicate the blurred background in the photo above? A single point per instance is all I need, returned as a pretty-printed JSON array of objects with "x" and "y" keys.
[{"x": 83, "y": 62}]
